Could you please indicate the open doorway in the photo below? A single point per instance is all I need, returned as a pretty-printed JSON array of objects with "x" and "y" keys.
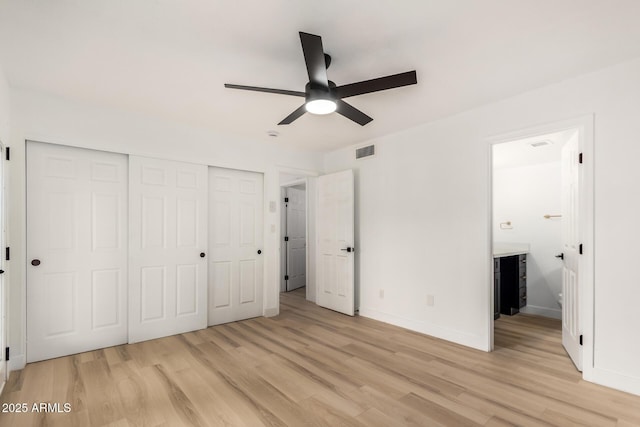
[
  {"x": 296, "y": 258},
  {"x": 540, "y": 220},
  {"x": 329, "y": 238},
  {"x": 293, "y": 234}
]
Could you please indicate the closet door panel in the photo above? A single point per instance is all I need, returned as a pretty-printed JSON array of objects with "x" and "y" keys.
[
  {"x": 76, "y": 248},
  {"x": 236, "y": 245},
  {"x": 167, "y": 245}
]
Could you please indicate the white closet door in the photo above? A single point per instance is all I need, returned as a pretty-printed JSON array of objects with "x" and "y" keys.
[
  {"x": 235, "y": 242},
  {"x": 297, "y": 234},
  {"x": 167, "y": 246},
  {"x": 76, "y": 249}
]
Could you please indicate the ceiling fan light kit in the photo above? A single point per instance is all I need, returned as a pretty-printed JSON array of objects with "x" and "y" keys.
[
  {"x": 322, "y": 96},
  {"x": 320, "y": 100},
  {"x": 320, "y": 106}
]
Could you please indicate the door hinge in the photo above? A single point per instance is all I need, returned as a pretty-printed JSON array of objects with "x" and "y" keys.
[
  {"x": 7, "y": 153},
  {"x": 286, "y": 200},
  {"x": 580, "y": 158},
  {"x": 580, "y": 339},
  {"x": 286, "y": 238},
  {"x": 6, "y": 353},
  {"x": 580, "y": 249},
  {"x": 286, "y": 277},
  {"x": 7, "y": 253}
]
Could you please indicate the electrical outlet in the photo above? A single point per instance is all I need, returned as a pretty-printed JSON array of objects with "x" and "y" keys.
[
  {"x": 430, "y": 300},
  {"x": 381, "y": 293}
]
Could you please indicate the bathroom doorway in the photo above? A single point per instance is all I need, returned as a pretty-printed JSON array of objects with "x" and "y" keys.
[{"x": 540, "y": 219}]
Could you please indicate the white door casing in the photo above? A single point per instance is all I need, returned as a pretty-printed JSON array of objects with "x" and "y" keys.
[
  {"x": 236, "y": 243},
  {"x": 76, "y": 250},
  {"x": 335, "y": 265},
  {"x": 571, "y": 289},
  {"x": 167, "y": 247},
  {"x": 297, "y": 243}
]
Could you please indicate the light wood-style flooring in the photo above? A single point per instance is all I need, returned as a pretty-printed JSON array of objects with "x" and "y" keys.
[{"x": 313, "y": 367}]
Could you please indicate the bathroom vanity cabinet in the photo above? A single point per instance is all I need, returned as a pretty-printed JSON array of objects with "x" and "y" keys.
[{"x": 510, "y": 284}]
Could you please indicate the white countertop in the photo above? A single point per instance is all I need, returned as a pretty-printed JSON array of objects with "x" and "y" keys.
[{"x": 501, "y": 249}]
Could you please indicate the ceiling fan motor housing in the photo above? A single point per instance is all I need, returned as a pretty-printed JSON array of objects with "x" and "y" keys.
[{"x": 315, "y": 91}]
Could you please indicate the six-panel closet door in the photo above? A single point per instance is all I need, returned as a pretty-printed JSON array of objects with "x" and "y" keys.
[
  {"x": 235, "y": 242},
  {"x": 108, "y": 231},
  {"x": 167, "y": 248},
  {"x": 76, "y": 249}
]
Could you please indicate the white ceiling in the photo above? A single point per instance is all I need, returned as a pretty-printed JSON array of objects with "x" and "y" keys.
[
  {"x": 521, "y": 153},
  {"x": 170, "y": 58}
]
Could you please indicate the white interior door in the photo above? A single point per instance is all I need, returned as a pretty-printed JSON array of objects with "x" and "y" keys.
[
  {"x": 3, "y": 294},
  {"x": 297, "y": 234},
  {"x": 571, "y": 290},
  {"x": 167, "y": 246},
  {"x": 236, "y": 242},
  {"x": 336, "y": 289},
  {"x": 76, "y": 250}
]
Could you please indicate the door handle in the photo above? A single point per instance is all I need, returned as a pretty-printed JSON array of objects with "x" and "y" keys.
[
  {"x": 561, "y": 256},
  {"x": 259, "y": 251},
  {"x": 202, "y": 254},
  {"x": 35, "y": 262},
  {"x": 348, "y": 249}
]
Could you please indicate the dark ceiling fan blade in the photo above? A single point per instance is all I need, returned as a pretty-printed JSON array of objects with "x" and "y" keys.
[
  {"x": 375, "y": 85},
  {"x": 264, "y": 89},
  {"x": 314, "y": 58},
  {"x": 295, "y": 115},
  {"x": 352, "y": 113}
]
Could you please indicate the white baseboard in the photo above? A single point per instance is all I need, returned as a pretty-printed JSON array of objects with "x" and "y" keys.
[
  {"x": 16, "y": 362},
  {"x": 474, "y": 341},
  {"x": 615, "y": 380},
  {"x": 554, "y": 313}
]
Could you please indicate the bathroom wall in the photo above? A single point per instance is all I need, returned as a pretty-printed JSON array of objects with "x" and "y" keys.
[{"x": 522, "y": 195}]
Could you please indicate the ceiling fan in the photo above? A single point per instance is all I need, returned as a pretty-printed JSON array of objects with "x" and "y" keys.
[{"x": 322, "y": 96}]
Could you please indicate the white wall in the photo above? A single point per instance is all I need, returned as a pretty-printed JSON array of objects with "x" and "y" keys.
[
  {"x": 48, "y": 119},
  {"x": 423, "y": 221},
  {"x": 522, "y": 195},
  {"x": 4, "y": 108}
]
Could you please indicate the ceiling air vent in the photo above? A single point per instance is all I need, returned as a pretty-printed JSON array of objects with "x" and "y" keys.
[
  {"x": 367, "y": 151},
  {"x": 542, "y": 143}
]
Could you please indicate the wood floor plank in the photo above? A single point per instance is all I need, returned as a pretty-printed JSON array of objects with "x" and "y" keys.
[
  {"x": 314, "y": 367},
  {"x": 374, "y": 417}
]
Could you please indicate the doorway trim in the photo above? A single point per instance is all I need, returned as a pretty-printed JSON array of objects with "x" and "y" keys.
[{"x": 585, "y": 126}]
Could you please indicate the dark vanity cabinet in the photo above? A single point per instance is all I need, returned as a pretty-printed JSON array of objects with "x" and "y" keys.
[{"x": 510, "y": 284}]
